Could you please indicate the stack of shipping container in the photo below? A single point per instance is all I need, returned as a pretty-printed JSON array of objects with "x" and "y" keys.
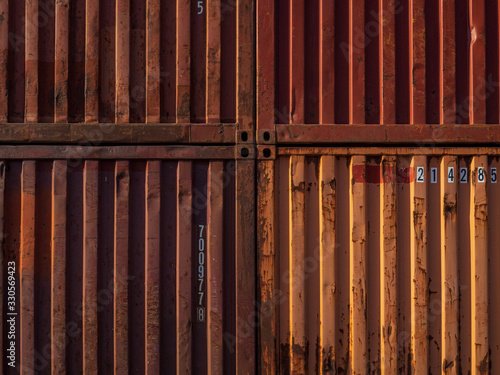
[{"x": 249, "y": 186}]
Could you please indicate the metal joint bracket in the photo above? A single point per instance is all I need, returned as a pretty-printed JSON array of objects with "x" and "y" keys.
[
  {"x": 265, "y": 152},
  {"x": 266, "y": 136},
  {"x": 244, "y": 151},
  {"x": 244, "y": 136}
]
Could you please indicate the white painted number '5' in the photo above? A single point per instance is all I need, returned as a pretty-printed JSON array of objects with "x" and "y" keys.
[{"x": 200, "y": 7}]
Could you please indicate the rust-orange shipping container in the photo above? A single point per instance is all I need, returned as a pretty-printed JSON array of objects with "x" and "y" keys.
[
  {"x": 127, "y": 61},
  {"x": 379, "y": 260},
  {"x": 129, "y": 259}
]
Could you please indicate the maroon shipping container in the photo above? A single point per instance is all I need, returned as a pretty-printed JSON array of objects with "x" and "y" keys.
[
  {"x": 128, "y": 61},
  {"x": 127, "y": 260},
  {"x": 385, "y": 71}
]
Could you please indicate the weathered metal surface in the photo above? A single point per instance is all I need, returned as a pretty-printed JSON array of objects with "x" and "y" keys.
[
  {"x": 381, "y": 62},
  {"x": 127, "y": 61},
  {"x": 384, "y": 134},
  {"x": 140, "y": 265},
  {"x": 103, "y": 133},
  {"x": 378, "y": 261}
]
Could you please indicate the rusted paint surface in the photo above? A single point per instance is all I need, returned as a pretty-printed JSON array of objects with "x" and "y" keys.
[
  {"x": 213, "y": 62},
  {"x": 27, "y": 268},
  {"x": 121, "y": 266},
  {"x": 268, "y": 353},
  {"x": 265, "y": 64},
  {"x": 373, "y": 62},
  {"x": 108, "y": 263},
  {"x": 245, "y": 65},
  {"x": 383, "y": 134},
  {"x": 97, "y": 134},
  {"x": 383, "y": 151},
  {"x": 91, "y": 88},
  {"x": 244, "y": 224},
  {"x": 122, "y": 61},
  {"x": 120, "y": 152},
  {"x": 215, "y": 268},
  {"x": 378, "y": 275}
]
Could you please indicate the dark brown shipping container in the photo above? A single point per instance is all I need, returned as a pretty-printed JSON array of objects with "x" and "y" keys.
[
  {"x": 379, "y": 260},
  {"x": 394, "y": 71},
  {"x": 128, "y": 61},
  {"x": 127, "y": 260}
]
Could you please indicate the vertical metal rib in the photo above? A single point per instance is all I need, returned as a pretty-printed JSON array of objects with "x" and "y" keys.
[
  {"x": 326, "y": 90},
  {"x": 296, "y": 59},
  {"x": 312, "y": 287},
  {"x": 374, "y": 247},
  {"x": 92, "y": 61},
  {"x": 265, "y": 63},
  {"x": 464, "y": 263},
  {"x": 449, "y": 267},
  {"x": 434, "y": 246},
  {"x": 58, "y": 273},
  {"x": 479, "y": 268},
  {"x": 356, "y": 62},
  {"x": 183, "y": 281},
  {"x": 61, "y": 60},
  {"x": 477, "y": 63},
  {"x": 214, "y": 258},
  {"x": 447, "y": 71},
  {"x": 31, "y": 64},
  {"x": 122, "y": 60},
  {"x": 26, "y": 267},
  {"x": 245, "y": 266},
  {"x": 297, "y": 258},
  {"x": 183, "y": 62},
  {"x": 268, "y": 270},
  {"x": 343, "y": 280},
  {"x": 284, "y": 263},
  {"x": 387, "y": 26},
  {"x": 327, "y": 262},
  {"x": 418, "y": 249},
  {"x": 153, "y": 61},
  {"x": 152, "y": 272},
  {"x": 388, "y": 269},
  {"x": 121, "y": 267},
  {"x": 213, "y": 61},
  {"x": 404, "y": 178},
  {"x": 417, "y": 63},
  {"x": 90, "y": 228},
  {"x": 245, "y": 76},
  {"x": 358, "y": 349}
]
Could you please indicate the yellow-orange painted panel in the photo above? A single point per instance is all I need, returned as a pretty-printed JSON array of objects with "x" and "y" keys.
[{"x": 399, "y": 265}]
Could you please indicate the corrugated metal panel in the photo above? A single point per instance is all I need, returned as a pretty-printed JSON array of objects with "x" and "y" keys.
[
  {"x": 140, "y": 265},
  {"x": 386, "y": 62},
  {"x": 379, "y": 261},
  {"x": 127, "y": 61}
]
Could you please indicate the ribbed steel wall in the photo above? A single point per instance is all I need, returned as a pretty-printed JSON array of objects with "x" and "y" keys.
[
  {"x": 107, "y": 258},
  {"x": 126, "y": 61},
  {"x": 368, "y": 264},
  {"x": 378, "y": 62}
]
